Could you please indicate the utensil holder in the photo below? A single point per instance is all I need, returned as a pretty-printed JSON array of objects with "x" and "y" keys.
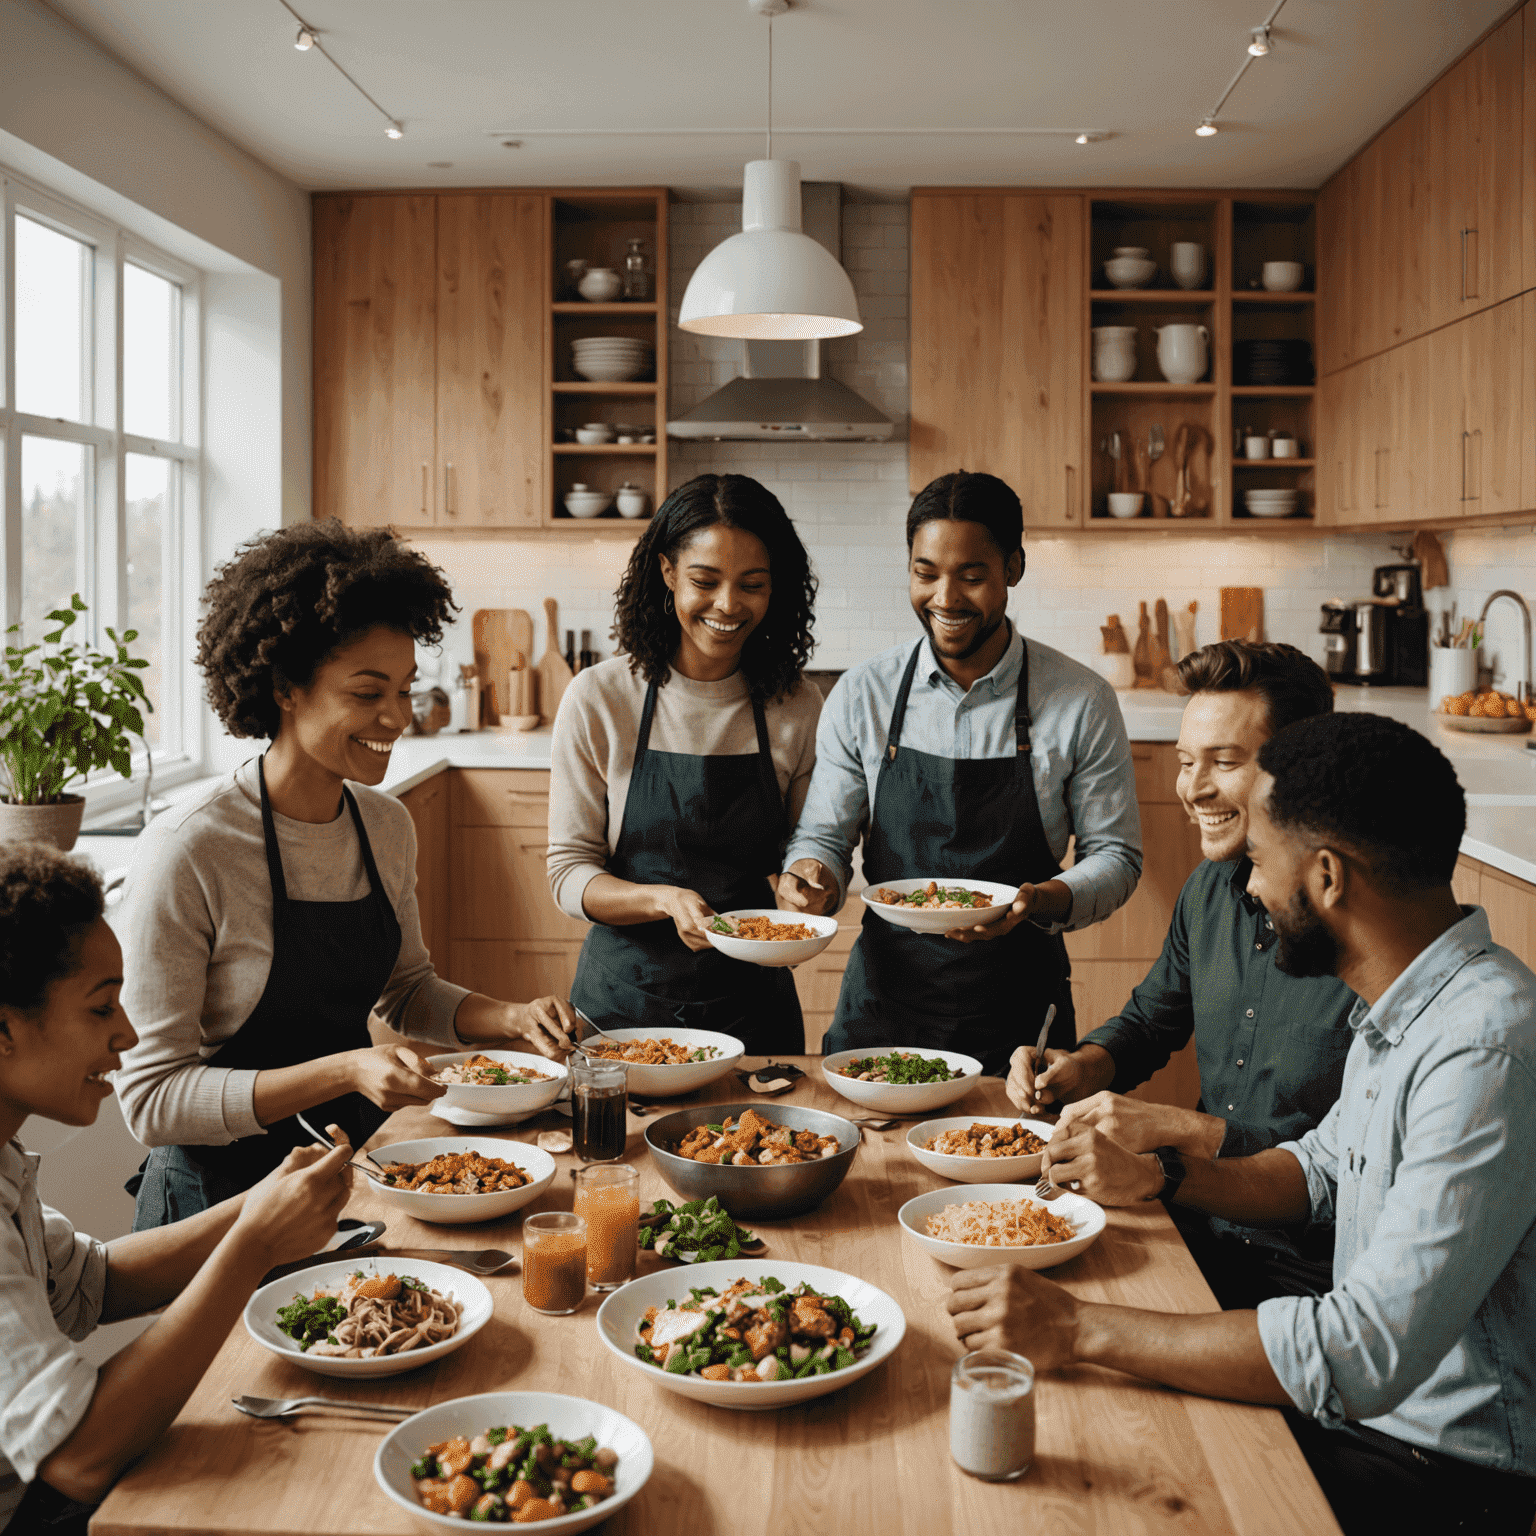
[{"x": 1452, "y": 671}]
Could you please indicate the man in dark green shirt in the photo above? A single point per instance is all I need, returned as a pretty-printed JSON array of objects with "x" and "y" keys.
[{"x": 1270, "y": 1047}]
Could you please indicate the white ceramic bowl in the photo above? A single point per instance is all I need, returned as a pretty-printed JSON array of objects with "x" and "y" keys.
[
  {"x": 592, "y": 435},
  {"x": 622, "y": 1311},
  {"x": 976, "y": 1170},
  {"x": 571, "y": 1418},
  {"x": 1282, "y": 276},
  {"x": 1131, "y": 250},
  {"x": 453, "y": 1210},
  {"x": 1125, "y": 503},
  {"x": 775, "y": 951},
  {"x": 1085, "y": 1216},
  {"x": 606, "y": 372},
  {"x": 669, "y": 1082},
  {"x": 490, "y": 1099},
  {"x": 1130, "y": 271},
  {"x": 586, "y": 503},
  {"x": 941, "y": 919},
  {"x": 902, "y": 1098},
  {"x": 261, "y": 1314}
]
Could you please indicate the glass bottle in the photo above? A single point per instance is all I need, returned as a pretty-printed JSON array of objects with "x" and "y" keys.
[{"x": 637, "y": 277}]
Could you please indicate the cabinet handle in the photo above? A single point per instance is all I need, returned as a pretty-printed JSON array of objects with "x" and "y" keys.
[
  {"x": 1376, "y": 479},
  {"x": 1463, "y": 466},
  {"x": 1469, "y": 266},
  {"x": 424, "y": 489},
  {"x": 1477, "y": 464},
  {"x": 1070, "y": 512},
  {"x": 448, "y": 505}
]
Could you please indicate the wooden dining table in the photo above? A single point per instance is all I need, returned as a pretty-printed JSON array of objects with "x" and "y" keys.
[{"x": 1114, "y": 1454}]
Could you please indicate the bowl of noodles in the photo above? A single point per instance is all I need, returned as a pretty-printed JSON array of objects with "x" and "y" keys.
[
  {"x": 347, "y": 1319},
  {"x": 766, "y": 936},
  {"x": 1001, "y": 1224}
]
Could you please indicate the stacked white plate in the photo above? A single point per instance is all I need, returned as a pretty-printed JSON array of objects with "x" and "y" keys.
[
  {"x": 1271, "y": 503},
  {"x": 611, "y": 359}
]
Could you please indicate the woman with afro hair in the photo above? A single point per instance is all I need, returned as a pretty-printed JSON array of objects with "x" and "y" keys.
[
  {"x": 266, "y": 918},
  {"x": 680, "y": 765}
]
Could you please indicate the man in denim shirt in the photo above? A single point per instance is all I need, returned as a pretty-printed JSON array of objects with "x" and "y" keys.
[{"x": 1414, "y": 1379}]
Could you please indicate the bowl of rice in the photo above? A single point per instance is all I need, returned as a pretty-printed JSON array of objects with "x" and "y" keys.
[
  {"x": 980, "y": 1149},
  {"x": 1001, "y": 1224},
  {"x": 766, "y": 936}
]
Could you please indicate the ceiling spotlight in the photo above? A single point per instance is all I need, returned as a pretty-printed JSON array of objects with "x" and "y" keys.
[
  {"x": 1083, "y": 138},
  {"x": 1206, "y": 129},
  {"x": 305, "y": 40},
  {"x": 1261, "y": 43},
  {"x": 396, "y": 131}
]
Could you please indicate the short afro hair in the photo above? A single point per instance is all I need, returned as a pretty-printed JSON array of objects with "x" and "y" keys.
[
  {"x": 291, "y": 599},
  {"x": 1373, "y": 788},
  {"x": 966, "y": 498},
  {"x": 1291, "y": 684},
  {"x": 48, "y": 902}
]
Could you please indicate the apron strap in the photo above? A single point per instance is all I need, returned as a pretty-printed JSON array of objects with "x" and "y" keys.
[
  {"x": 269, "y": 834},
  {"x": 899, "y": 713},
  {"x": 374, "y": 883},
  {"x": 643, "y": 740},
  {"x": 765, "y": 759},
  {"x": 1022, "y": 720}
]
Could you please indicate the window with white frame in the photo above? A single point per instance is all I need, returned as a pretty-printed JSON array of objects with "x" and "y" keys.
[{"x": 99, "y": 449}]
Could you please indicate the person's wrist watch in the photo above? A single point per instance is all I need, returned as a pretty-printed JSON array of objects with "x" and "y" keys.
[{"x": 1172, "y": 1164}]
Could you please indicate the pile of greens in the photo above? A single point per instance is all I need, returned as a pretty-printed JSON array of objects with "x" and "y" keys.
[
  {"x": 957, "y": 894},
  {"x": 311, "y": 1320},
  {"x": 901, "y": 1068},
  {"x": 698, "y": 1227}
]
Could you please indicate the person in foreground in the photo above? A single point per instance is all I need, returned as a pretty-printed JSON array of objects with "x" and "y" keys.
[
  {"x": 68, "y": 1429},
  {"x": 265, "y": 919},
  {"x": 970, "y": 754},
  {"x": 1271, "y": 1047},
  {"x": 1411, "y": 1385}
]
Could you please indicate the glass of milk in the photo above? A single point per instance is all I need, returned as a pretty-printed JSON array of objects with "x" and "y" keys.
[{"x": 992, "y": 1415}]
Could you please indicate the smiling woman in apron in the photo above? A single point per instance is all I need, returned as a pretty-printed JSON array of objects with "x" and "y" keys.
[
  {"x": 971, "y": 755},
  {"x": 264, "y": 919},
  {"x": 680, "y": 765}
]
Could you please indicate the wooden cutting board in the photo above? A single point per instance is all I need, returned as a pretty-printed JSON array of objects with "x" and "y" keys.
[
  {"x": 554, "y": 674},
  {"x": 1242, "y": 613},
  {"x": 498, "y": 634}
]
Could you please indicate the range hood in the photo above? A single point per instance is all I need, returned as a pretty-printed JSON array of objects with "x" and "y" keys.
[{"x": 781, "y": 394}]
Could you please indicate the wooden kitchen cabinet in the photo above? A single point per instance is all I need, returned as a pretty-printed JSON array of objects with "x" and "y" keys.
[
  {"x": 428, "y": 805},
  {"x": 375, "y": 360},
  {"x": 998, "y": 346},
  {"x": 1509, "y": 902}
]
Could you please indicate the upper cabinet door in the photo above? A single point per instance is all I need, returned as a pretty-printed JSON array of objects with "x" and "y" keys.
[
  {"x": 375, "y": 360},
  {"x": 998, "y": 319},
  {"x": 1337, "y": 206},
  {"x": 1475, "y": 170},
  {"x": 492, "y": 308},
  {"x": 1392, "y": 263}
]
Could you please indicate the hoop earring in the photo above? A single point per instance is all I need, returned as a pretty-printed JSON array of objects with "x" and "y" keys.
[{"x": 666, "y": 603}]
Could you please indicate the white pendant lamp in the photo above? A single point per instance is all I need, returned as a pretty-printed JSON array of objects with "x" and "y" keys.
[{"x": 771, "y": 282}]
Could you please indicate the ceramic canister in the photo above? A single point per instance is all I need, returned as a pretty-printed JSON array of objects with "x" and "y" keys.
[
  {"x": 1183, "y": 352},
  {"x": 1114, "y": 353}
]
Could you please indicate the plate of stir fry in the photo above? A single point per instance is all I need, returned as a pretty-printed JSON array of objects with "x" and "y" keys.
[
  {"x": 495, "y": 1082},
  {"x": 901, "y": 1080},
  {"x": 937, "y": 904},
  {"x": 751, "y": 1335}
]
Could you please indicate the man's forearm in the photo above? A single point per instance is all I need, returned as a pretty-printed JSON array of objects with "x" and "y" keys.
[
  {"x": 147, "y": 1269},
  {"x": 1268, "y": 1189}
]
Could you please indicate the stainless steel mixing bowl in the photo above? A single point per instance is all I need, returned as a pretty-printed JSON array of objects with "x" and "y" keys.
[{"x": 762, "y": 1192}]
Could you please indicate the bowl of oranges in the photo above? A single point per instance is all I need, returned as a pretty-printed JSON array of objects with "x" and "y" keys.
[{"x": 1492, "y": 712}]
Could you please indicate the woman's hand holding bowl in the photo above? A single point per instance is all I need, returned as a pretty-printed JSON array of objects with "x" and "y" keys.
[
  {"x": 394, "y": 1076},
  {"x": 689, "y": 912}
]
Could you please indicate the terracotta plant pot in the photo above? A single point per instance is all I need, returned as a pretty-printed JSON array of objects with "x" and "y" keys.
[{"x": 58, "y": 824}]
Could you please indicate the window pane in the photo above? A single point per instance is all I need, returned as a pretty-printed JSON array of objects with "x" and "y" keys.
[
  {"x": 53, "y": 285},
  {"x": 53, "y": 492},
  {"x": 149, "y": 508},
  {"x": 149, "y": 339}
]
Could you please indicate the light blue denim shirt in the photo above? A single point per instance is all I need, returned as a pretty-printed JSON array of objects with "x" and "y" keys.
[
  {"x": 1080, "y": 755},
  {"x": 1425, "y": 1165}
]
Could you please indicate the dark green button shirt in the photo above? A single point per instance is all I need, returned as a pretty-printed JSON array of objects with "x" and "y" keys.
[{"x": 1271, "y": 1047}]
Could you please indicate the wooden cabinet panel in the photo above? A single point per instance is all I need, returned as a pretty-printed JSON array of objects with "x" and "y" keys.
[
  {"x": 428, "y": 805},
  {"x": 499, "y": 886},
  {"x": 1157, "y": 771},
  {"x": 517, "y": 971},
  {"x": 997, "y": 355},
  {"x": 1395, "y": 266},
  {"x": 500, "y": 797},
  {"x": 1528, "y": 153},
  {"x": 375, "y": 360},
  {"x": 1511, "y": 908},
  {"x": 1400, "y": 413},
  {"x": 492, "y": 250},
  {"x": 1467, "y": 882},
  {"x": 1336, "y": 207}
]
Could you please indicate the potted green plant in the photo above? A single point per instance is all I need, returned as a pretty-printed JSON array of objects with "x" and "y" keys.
[{"x": 66, "y": 709}]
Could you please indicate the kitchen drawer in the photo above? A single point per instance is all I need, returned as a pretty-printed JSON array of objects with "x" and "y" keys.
[
  {"x": 1157, "y": 767},
  {"x": 516, "y": 972},
  {"x": 500, "y": 797},
  {"x": 500, "y": 890}
]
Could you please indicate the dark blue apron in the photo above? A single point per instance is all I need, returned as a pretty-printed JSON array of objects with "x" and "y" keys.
[
  {"x": 962, "y": 818},
  {"x": 714, "y": 825},
  {"x": 331, "y": 960}
]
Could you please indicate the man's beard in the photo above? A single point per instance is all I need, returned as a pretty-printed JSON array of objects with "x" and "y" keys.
[
  {"x": 983, "y": 634},
  {"x": 1305, "y": 946}
]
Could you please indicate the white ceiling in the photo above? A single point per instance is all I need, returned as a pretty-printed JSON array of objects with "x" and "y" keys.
[{"x": 455, "y": 70}]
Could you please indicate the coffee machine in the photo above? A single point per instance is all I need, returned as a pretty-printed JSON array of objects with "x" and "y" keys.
[{"x": 1382, "y": 640}]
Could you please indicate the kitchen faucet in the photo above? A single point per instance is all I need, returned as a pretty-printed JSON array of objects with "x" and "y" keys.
[{"x": 1522, "y": 688}]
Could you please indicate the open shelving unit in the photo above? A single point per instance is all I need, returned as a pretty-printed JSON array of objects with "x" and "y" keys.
[{"x": 1240, "y": 231}]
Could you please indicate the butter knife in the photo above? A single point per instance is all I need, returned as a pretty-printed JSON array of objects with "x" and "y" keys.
[{"x": 1045, "y": 1029}]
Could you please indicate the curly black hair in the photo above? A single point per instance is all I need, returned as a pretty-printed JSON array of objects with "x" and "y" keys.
[
  {"x": 291, "y": 599},
  {"x": 48, "y": 901},
  {"x": 1373, "y": 788},
  {"x": 775, "y": 654}
]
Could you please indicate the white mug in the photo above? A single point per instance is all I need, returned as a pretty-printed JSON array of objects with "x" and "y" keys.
[
  {"x": 1183, "y": 352},
  {"x": 1186, "y": 261},
  {"x": 1256, "y": 447},
  {"x": 1284, "y": 447}
]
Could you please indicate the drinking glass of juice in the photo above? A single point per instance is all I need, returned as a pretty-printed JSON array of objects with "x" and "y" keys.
[
  {"x": 608, "y": 1196},
  {"x": 555, "y": 1262}
]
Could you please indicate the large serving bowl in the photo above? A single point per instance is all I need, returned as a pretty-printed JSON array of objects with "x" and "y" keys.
[
  {"x": 620, "y": 1314},
  {"x": 569, "y": 1418},
  {"x": 976, "y": 1170},
  {"x": 508, "y": 1097},
  {"x": 672, "y": 1082},
  {"x": 452, "y": 1210},
  {"x": 787, "y": 1190},
  {"x": 261, "y": 1314},
  {"x": 1085, "y": 1216},
  {"x": 940, "y": 919},
  {"x": 902, "y": 1098},
  {"x": 775, "y": 951}
]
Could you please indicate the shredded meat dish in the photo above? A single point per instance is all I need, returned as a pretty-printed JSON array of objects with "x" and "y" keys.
[
  {"x": 988, "y": 1141},
  {"x": 662, "y": 1052},
  {"x": 487, "y": 1072},
  {"x": 455, "y": 1173},
  {"x": 754, "y": 1142},
  {"x": 934, "y": 897}
]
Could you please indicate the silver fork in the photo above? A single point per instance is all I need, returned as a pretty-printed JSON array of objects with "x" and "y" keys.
[{"x": 277, "y": 1407}]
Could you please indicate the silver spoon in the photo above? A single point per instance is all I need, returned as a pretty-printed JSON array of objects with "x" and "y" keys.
[
  {"x": 276, "y": 1407},
  {"x": 485, "y": 1261}
]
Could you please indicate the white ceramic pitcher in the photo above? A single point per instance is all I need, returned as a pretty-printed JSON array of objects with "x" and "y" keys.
[{"x": 1183, "y": 352}]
